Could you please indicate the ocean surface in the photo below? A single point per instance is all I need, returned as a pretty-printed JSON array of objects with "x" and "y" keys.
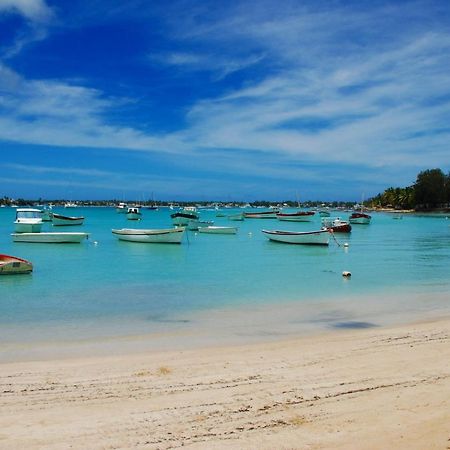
[{"x": 240, "y": 285}]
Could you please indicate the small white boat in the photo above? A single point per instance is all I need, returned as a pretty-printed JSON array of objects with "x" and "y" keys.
[
  {"x": 50, "y": 238},
  {"x": 299, "y": 216},
  {"x": 360, "y": 218},
  {"x": 218, "y": 230},
  {"x": 122, "y": 208},
  {"x": 160, "y": 236},
  {"x": 183, "y": 216},
  {"x": 10, "y": 265},
  {"x": 134, "y": 213},
  {"x": 238, "y": 216},
  {"x": 58, "y": 219},
  {"x": 194, "y": 225},
  {"x": 70, "y": 205},
  {"x": 319, "y": 237},
  {"x": 28, "y": 220}
]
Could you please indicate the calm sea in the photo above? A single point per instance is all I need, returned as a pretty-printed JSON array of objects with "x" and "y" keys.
[{"x": 108, "y": 288}]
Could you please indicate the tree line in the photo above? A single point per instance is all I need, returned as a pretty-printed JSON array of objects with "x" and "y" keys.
[{"x": 430, "y": 191}]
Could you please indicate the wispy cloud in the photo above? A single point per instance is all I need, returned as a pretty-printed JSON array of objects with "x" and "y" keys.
[{"x": 345, "y": 85}]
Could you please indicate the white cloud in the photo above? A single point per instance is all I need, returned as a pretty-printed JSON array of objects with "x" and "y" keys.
[{"x": 34, "y": 10}]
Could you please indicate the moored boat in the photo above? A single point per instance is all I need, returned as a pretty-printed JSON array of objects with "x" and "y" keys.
[
  {"x": 193, "y": 225},
  {"x": 159, "y": 236},
  {"x": 50, "y": 238},
  {"x": 28, "y": 220},
  {"x": 237, "y": 217},
  {"x": 272, "y": 214},
  {"x": 183, "y": 216},
  {"x": 122, "y": 208},
  {"x": 218, "y": 230},
  {"x": 58, "y": 219},
  {"x": 319, "y": 237},
  {"x": 336, "y": 224},
  {"x": 10, "y": 265},
  {"x": 360, "y": 218},
  {"x": 134, "y": 213},
  {"x": 298, "y": 216}
]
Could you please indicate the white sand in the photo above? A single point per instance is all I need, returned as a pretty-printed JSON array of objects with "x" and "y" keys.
[{"x": 384, "y": 388}]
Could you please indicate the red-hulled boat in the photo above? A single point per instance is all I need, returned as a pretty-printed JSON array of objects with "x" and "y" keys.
[
  {"x": 336, "y": 225},
  {"x": 10, "y": 265}
]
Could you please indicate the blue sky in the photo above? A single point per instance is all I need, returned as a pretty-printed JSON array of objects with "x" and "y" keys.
[{"x": 209, "y": 100}]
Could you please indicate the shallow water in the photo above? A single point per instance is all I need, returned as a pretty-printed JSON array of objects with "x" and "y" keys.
[{"x": 104, "y": 287}]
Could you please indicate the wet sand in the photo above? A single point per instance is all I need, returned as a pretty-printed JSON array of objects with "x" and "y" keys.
[{"x": 364, "y": 389}]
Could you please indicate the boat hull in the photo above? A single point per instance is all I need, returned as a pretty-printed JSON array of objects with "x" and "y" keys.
[
  {"x": 320, "y": 237},
  {"x": 21, "y": 227},
  {"x": 11, "y": 265},
  {"x": 218, "y": 230},
  {"x": 336, "y": 225},
  {"x": 151, "y": 236},
  {"x": 50, "y": 238}
]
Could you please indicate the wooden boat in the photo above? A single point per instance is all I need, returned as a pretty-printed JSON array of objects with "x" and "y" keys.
[
  {"x": 218, "y": 230},
  {"x": 319, "y": 237},
  {"x": 272, "y": 214},
  {"x": 59, "y": 220},
  {"x": 183, "y": 216},
  {"x": 360, "y": 218},
  {"x": 159, "y": 236},
  {"x": 298, "y": 216},
  {"x": 336, "y": 225},
  {"x": 28, "y": 220},
  {"x": 122, "y": 208},
  {"x": 50, "y": 238},
  {"x": 10, "y": 265},
  {"x": 134, "y": 213}
]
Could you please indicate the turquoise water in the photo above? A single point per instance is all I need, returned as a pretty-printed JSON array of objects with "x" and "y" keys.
[{"x": 105, "y": 287}]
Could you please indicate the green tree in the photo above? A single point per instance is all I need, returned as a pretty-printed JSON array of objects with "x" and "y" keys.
[{"x": 430, "y": 189}]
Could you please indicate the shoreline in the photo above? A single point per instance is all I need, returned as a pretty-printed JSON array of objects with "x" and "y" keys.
[
  {"x": 386, "y": 387},
  {"x": 236, "y": 325}
]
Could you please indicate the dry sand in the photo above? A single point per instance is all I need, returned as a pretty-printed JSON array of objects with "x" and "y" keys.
[{"x": 362, "y": 389}]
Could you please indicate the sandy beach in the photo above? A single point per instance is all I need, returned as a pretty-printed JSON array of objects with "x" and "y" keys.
[{"x": 366, "y": 389}]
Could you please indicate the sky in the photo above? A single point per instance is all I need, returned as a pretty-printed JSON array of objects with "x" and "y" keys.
[{"x": 215, "y": 100}]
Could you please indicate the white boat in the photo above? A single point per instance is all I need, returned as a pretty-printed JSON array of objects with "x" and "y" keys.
[
  {"x": 50, "y": 238},
  {"x": 122, "y": 208},
  {"x": 134, "y": 213},
  {"x": 360, "y": 218},
  {"x": 28, "y": 220},
  {"x": 10, "y": 265},
  {"x": 194, "y": 225},
  {"x": 70, "y": 205},
  {"x": 298, "y": 216},
  {"x": 218, "y": 230},
  {"x": 319, "y": 237},
  {"x": 58, "y": 219},
  {"x": 238, "y": 216},
  {"x": 183, "y": 216},
  {"x": 161, "y": 236}
]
